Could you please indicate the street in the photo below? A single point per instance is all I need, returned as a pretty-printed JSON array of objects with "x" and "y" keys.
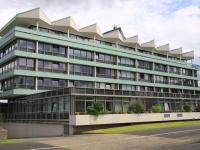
[{"x": 179, "y": 138}]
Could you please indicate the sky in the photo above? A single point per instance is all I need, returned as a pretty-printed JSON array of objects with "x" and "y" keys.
[{"x": 176, "y": 22}]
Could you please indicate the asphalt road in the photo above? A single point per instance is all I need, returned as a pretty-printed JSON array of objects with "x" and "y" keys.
[{"x": 179, "y": 138}]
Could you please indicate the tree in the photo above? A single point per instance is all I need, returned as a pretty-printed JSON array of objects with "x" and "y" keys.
[
  {"x": 137, "y": 107},
  {"x": 156, "y": 108},
  {"x": 187, "y": 108}
]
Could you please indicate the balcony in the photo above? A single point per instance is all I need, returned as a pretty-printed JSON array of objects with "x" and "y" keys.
[
  {"x": 146, "y": 80},
  {"x": 162, "y": 82},
  {"x": 126, "y": 65},
  {"x": 161, "y": 69},
  {"x": 124, "y": 93},
  {"x": 104, "y": 61}
]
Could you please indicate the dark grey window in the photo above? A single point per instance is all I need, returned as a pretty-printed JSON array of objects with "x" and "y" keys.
[
  {"x": 104, "y": 72},
  {"x": 22, "y": 61},
  {"x": 26, "y": 45},
  {"x": 81, "y": 70},
  {"x": 105, "y": 58},
  {"x": 80, "y": 54}
]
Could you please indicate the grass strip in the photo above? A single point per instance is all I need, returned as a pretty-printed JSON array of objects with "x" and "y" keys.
[
  {"x": 142, "y": 127},
  {"x": 11, "y": 142}
]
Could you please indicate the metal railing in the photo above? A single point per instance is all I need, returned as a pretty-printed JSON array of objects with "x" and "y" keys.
[{"x": 113, "y": 92}]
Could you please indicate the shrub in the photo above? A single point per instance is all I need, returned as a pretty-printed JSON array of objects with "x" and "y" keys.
[
  {"x": 156, "y": 108},
  {"x": 136, "y": 107},
  {"x": 98, "y": 107},
  {"x": 92, "y": 111},
  {"x": 187, "y": 108},
  {"x": 95, "y": 109}
]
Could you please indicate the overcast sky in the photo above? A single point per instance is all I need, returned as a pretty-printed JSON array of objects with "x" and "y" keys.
[{"x": 166, "y": 21}]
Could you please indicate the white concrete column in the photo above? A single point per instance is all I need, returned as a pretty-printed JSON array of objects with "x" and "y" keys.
[
  {"x": 168, "y": 68},
  {"x": 67, "y": 51},
  {"x": 118, "y": 72},
  {"x": 36, "y": 47},
  {"x": 136, "y": 63},
  {"x": 36, "y": 83},
  {"x": 95, "y": 72},
  {"x": 153, "y": 66},
  {"x": 68, "y": 69},
  {"x": 137, "y": 76},
  {"x": 136, "y": 49},
  {"x": 36, "y": 66}
]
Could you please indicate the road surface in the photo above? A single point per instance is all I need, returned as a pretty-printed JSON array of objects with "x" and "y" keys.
[{"x": 179, "y": 138}]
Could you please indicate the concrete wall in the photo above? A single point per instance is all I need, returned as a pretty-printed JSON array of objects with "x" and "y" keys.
[
  {"x": 22, "y": 130},
  {"x": 3, "y": 134},
  {"x": 82, "y": 120}
]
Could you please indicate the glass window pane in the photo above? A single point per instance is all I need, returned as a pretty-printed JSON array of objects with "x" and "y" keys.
[
  {"x": 22, "y": 61},
  {"x": 31, "y": 45},
  {"x": 22, "y": 44},
  {"x": 30, "y": 62}
]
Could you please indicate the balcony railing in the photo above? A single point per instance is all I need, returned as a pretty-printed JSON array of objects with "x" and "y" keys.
[
  {"x": 146, "y": 80},
  {"x": 112, "y": 92}
]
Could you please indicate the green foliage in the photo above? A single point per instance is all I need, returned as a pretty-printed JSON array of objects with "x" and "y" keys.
[
  {"x": 143, "y": 127},
  {"x": 156, "y": 108},
  {"x": 136, "y": 107},
  {"x": 92, "y": 111},
  {"x": 98, "y": 107},
  {"x": 187, "y": 108},
  {"x": 95, "y": 109}
]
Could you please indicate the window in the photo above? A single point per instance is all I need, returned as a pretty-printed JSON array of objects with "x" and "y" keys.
[
  {"x": 47, "y": 83},
  {"x": 51, "y": 49},
  {"x": 103, "y": 72},
  {"x": 54, "y": 107},
  {"x": 80, "y": 54},
  {"x": 127, "y": 75},
  {"x": 27, "y": 45},
  {"x": 47, "y": 65},
  {"x": 40, "y": 47},
  {"x": 22, "y": 44},
  {"x": 62, "y": 83},
  {"x": 79, "y": 106},
  {"x": 105, "y": 58},
  {"x": 22, "y": 61},
  {"x": 30, "y": 81},
  {"x": 55, "y": 83},
  {"x": 55, "y": 49},
  {"x": 30, "y": 45},
  {"x": 62, "y": 50},
  {"x": 62, "y": 67},
  {"x": 40, "y": 82},
  {"x": 55, "y": 66},
  {"x": 30, "y": 63},
  {"x": 40, "y": 64},
  {"x": 82, "y": 84},
  {"x": 144, "y": 65},
  {"x": 47, "y": 48},
  {"x": 80, "y": 70}
]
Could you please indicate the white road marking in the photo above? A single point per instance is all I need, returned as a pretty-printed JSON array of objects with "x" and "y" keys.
[{"x": 140, "y": 137}]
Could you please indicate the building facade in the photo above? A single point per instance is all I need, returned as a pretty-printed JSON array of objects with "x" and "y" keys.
[{"x": 84, "y": 66}]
